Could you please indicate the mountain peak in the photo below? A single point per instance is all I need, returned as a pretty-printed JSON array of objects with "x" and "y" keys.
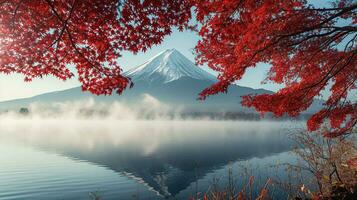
[
  {"x": 168, "y": 66},
  {"x": 171, "y": 50}
]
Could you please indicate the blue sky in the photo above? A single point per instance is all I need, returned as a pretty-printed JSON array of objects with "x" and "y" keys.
[{"x": 13, "y": 86}]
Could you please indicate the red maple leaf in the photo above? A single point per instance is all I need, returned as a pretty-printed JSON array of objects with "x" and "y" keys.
[{"x": 308, "y": 48}]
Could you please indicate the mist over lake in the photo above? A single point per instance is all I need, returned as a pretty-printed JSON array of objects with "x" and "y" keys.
[
  {"x": 120, "y": 159},
  {"x": 156, "y": 141}
]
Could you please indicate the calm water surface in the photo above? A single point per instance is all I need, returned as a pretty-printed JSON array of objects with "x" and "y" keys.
[{"x": 134, "y": 159}]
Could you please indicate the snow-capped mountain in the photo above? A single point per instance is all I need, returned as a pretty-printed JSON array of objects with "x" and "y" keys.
[
  {"x": 167, "y": 66},
  {"x": 169, "y": 77}
]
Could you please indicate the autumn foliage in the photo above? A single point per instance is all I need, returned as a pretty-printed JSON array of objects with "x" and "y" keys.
[{"x": 310, "y": 49}]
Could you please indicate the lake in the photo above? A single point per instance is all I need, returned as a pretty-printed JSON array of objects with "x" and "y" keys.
[{"x": 66, "y": 159}]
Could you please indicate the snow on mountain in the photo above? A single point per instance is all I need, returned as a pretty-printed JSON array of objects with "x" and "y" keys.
[
  {"x": 169, "y": 77},
  {"x": 168, "y": 66}
]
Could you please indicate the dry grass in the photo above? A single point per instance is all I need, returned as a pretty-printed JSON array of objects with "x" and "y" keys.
[
  {"x": 328, "y": 161},
  {"x": 230, "y": 191}
]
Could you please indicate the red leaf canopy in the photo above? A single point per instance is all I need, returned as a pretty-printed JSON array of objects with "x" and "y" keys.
[{"x": 308, "y": 48}]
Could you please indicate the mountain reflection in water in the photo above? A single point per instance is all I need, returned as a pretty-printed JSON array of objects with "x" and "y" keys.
[{"x": 164, "y": 156}]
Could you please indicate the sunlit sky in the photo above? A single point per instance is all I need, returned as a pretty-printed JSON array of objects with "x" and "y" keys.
[{"x": 13, "y": 86}]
